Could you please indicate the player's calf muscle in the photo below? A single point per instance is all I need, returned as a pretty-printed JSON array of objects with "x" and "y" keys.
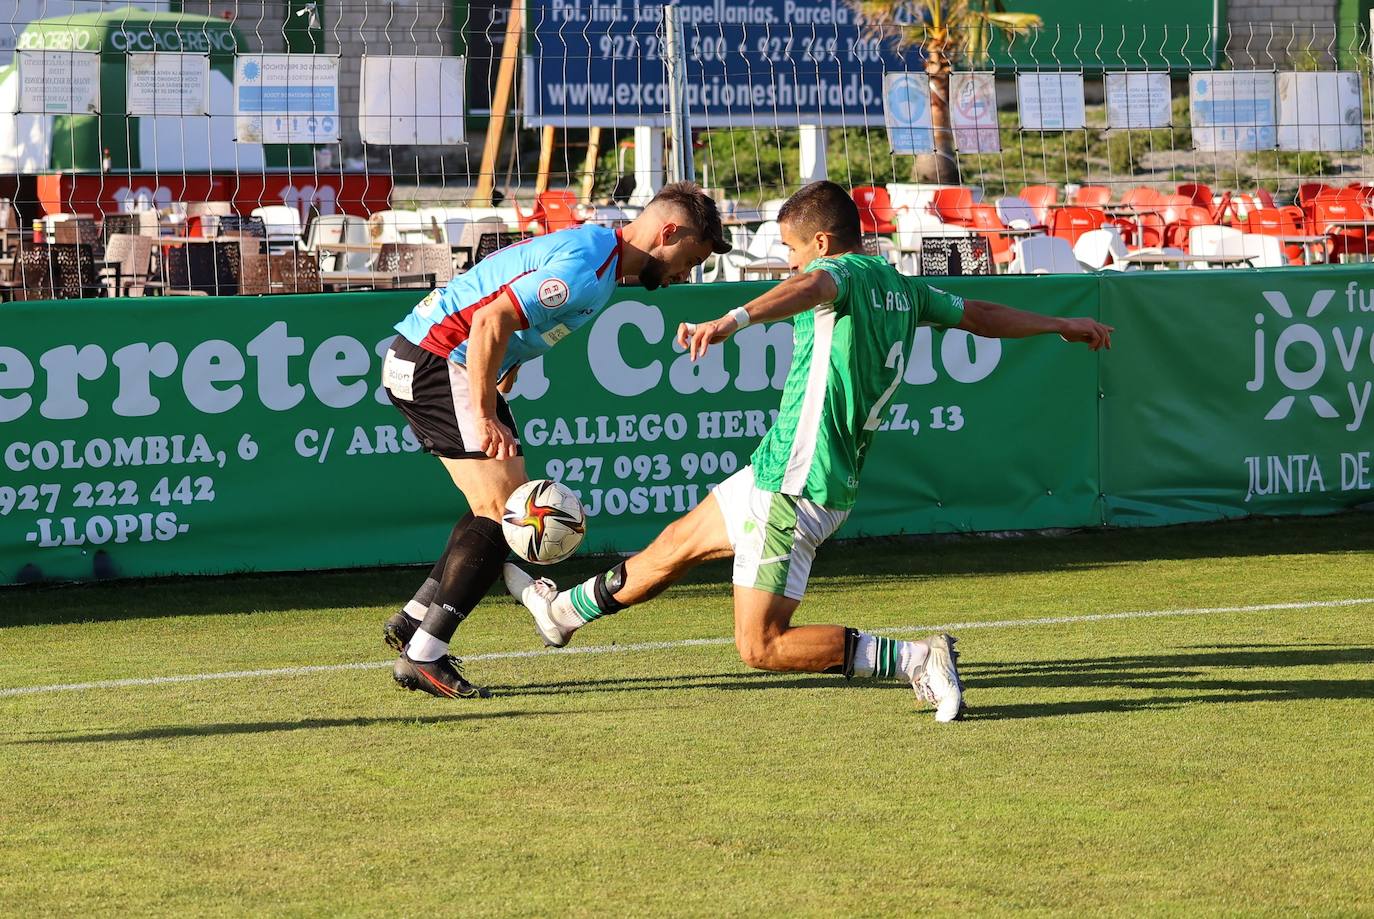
[{"x": 687, "y": 542}]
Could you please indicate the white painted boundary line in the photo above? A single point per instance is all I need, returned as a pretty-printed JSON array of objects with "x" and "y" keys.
[{"x": 685, "y": 643}]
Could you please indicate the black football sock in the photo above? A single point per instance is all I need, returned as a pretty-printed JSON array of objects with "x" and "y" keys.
[
  {"x": 471, "y": 568},
  {"x": 419, "y": 604}
]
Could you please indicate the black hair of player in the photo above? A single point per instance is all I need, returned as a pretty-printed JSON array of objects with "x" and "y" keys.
[
  {"x": 824, "y": 207},
  {"x": 703, "y": 217}
]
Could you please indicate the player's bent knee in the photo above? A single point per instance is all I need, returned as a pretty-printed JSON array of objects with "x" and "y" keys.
[{"x": 756, "y": 651}]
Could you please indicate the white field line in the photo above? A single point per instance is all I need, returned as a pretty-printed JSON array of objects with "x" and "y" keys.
[{"x": 684, "y": 643}]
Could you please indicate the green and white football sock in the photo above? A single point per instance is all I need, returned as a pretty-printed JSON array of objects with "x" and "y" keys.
[
  {"x": 887, "y": 658},
  {"x": 590, "y": 600}
]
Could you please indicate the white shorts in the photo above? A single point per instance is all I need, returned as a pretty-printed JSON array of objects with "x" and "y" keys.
[{"x": 774, "y": 536}]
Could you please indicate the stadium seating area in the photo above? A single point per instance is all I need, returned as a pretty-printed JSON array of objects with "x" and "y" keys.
[
  {"x": 206, "y": 248},
  {"x": 1193, "y": 227}
]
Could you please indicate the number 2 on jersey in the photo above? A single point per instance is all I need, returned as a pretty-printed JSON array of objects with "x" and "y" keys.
[{"x": 896, "y": 360}]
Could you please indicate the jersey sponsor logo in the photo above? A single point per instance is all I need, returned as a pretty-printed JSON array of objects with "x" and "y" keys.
[
  {"x": 553, "y": 293},
  {"x": 429, "y": 305},
  {"x": 398, "y": 376},
  {"x": 556, "y": 334}
]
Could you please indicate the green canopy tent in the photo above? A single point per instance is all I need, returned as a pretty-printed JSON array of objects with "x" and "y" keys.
[{"x": 50, "y": 142}]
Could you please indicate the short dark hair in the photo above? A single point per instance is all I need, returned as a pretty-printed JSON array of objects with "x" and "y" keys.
[
  {"x": 700, "y": 210},
  {"x": 823, "y": 207}
]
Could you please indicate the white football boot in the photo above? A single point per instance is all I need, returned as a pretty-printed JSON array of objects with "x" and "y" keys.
[
  {"x": 538, "y": 596},
  {"x": 937, "y": 680}
]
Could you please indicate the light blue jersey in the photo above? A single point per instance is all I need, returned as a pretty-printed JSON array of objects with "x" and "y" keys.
[{"x": 559, "y": 282}]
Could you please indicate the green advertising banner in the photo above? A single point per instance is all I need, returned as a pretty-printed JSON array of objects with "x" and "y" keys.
[
  {"x": 1236, "y": 393},
  {"x": 1003, "y": 435},
  {"x": 196, "y": 435}
]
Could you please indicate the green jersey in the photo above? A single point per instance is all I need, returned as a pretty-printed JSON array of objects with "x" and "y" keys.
[{"x": 848, "y": 358}]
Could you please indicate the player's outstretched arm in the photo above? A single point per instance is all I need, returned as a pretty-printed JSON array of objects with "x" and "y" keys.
[
  {"x": 992, "y": 320},
  {"x": 797, "y": 294}
]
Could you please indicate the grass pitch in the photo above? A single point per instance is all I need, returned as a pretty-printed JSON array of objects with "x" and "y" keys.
[{"x": 1210, "y": 763}]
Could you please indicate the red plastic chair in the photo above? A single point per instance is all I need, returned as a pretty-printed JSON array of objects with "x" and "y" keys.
[
  {"x": 1146, "y": 231},
  {"x": 1041, "y": 198},
  {"x": 1265, "y": 198},
  {"x": 1092, "y": 196},
  {"x": 1344, "y": 240},
  {"x": 1357, "y": 193},
  {"x": 1141, "y": 196},
  {"x": 1272, "y": 221},
  {"x": 1201, "y": 195},
  {"x": 1309, "y": 191},
  {"x": 557, "y": 209},
  {"x": 876, "y": 214},
  {"x": 1069, "y": 223},
  {"x": 953, "y": 205},
  {"x": 553, "y": 211},
  {"x": 984, "y": 217},
  {"x": 1185, "y": 218}
]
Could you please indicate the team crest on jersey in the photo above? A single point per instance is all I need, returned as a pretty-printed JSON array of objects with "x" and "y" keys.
[{"x": 553, "y": 293}]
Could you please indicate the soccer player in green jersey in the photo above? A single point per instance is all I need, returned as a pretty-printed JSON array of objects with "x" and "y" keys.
[{"x": 855, "y": 317}]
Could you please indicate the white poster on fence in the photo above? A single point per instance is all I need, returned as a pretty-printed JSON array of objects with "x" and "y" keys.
[
  {"x": 412, "y": 100},
  {"x": 973, "y": 112},
  {"x": 59, "y": 82},
  {"x": 1233, "y": 110},
  {"x": 1051, "y": 101},
  {"x": 1320, "y": 111},
  {"x": 1138, "y": 100},
  {"x": 906, "y": 111},
  {"x": 286, "y": 98},
  {"x": 168, "y": 83}
]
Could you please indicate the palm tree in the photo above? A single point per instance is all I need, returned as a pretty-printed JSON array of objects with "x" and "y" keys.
[{"x": 947, "y": 31}]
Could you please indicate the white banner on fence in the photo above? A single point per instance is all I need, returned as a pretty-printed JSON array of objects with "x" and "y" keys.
[
  {"x": 906, "y": 111},
  {"x": 1138, "y": 100},
  {"x": 1050, "y": 101},
  {"x": 973, "y": 112},
  {"x": 168, "y": 83},
  {"x": 1320, "y": 111},
  {"x": 1233, "y": 110},
  {"x": 286, "y": 98},
  {"x": 59, "y": 82},
  {"x": 412, "y": 100}
]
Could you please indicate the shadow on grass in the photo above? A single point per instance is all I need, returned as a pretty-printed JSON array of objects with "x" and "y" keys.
[
  {"x": 227, "y": 729},
  {"x": 1190, "y": 678},
  {"x": 875, "y": 561},
  {"x": 1195, "y": 677},
  {"x": 750, "y": 680}
]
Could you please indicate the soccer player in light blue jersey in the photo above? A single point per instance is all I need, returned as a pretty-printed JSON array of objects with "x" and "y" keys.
[
  {"x": 855, "y": 318},
  {"x": 460, "y": 349}
]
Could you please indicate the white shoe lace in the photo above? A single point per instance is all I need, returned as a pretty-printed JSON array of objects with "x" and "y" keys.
[{"x": 546, "y": 589}]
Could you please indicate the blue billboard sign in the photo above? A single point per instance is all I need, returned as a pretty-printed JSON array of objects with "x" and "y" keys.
[{"x": 767, "y": 63}]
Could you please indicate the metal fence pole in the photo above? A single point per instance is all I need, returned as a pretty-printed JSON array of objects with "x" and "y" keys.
[{"x": 681, "y": 165}]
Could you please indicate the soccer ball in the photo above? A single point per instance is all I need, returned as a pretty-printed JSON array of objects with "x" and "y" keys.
[{"x": 544, "y": 522}]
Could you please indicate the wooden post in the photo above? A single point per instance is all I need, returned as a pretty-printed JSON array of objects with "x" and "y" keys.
[
  {"x": 500, "y": 104},
  {"x": 589, "y": 167},
  {"x": 546, "y": 142}
]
